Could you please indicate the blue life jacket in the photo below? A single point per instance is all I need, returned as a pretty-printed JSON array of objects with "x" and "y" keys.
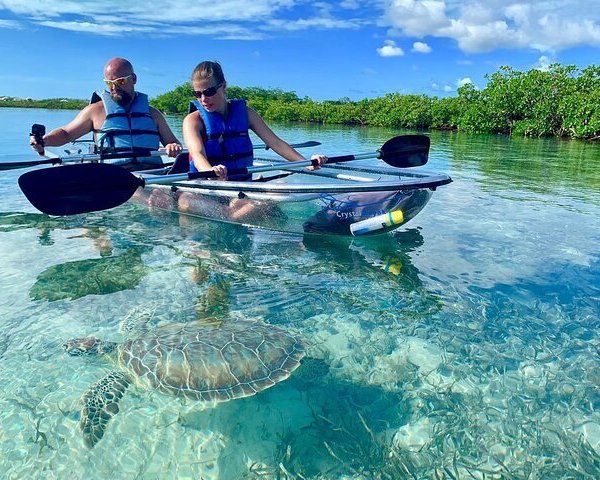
[
  {"x": 226, "y": 140},
  {"x": 131, "y": 128}
]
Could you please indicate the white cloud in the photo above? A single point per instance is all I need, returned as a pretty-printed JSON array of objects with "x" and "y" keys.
[
  {"x": 544, "y": 25},
  {"x": 240, "y": 19},
  {"x": 101, "y": 29},
  {"x": 544, "y": 63},
  {"x": 107, "y": 28},
  {"x": 444, "y": 88},
  {"x": 449, "y": 88},
  {"x": 390, "y": 49},
  {"x": 421, "y": 47},
  {"x": 316, "y": 22},
  {"x": 475, "y": 25},
  {"x": 10, "y": 24},
  {"x": 138, "y": 10},
  {"x": 418, "y": 18},
  {"x": 520, "y": 14}
]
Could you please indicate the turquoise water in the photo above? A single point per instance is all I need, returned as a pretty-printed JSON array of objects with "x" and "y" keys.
[{"x": 465, "y": 345}]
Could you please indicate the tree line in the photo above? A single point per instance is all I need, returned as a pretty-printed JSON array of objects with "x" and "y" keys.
[
  {"x": 562, "y": 101},
  {"x": 50, "y": 103}
]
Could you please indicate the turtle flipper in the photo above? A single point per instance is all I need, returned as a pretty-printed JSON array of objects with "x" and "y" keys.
[{"x": 100, "y": 404}]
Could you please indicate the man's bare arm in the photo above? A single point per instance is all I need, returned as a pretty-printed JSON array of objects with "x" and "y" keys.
[
  {"x": 81, "y": 125},
  {"x": 167, "y": 137},
  {"x": 166, "y": 134}
]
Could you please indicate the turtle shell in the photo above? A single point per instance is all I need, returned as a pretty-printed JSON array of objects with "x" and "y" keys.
[{"x": 212, "y": 361}]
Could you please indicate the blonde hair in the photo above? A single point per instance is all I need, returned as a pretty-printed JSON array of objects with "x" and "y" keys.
[{"x": 208, "y": 69}]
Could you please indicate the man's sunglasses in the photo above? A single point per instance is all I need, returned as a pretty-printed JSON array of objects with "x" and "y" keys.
[
  {"x": 209, "y": 92},
  {"x": 117, "y": 82}
]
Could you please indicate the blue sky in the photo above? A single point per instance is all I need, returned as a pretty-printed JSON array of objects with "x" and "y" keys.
[{"x": 325, "y": 50}]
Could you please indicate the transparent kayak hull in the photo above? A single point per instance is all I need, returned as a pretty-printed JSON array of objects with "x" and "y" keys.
[{"x": 367, "y": 201}]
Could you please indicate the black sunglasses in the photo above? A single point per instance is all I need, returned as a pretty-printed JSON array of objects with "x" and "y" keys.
[{"x": 209, "y": 92}]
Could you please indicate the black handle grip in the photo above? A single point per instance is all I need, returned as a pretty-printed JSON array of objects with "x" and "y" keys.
[
  {"x": 38, "y": 131},
  {"x": 212, "y": 174}
]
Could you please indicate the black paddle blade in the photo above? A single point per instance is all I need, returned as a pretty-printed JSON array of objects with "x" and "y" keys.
[
  {"x": 405, "y": 151},
  {"x": 82, "y": 188}
]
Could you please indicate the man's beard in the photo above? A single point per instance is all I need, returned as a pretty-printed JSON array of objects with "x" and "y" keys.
[{"x": 122, "y": 98}]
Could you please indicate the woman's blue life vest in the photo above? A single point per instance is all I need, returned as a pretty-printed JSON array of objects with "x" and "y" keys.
[
  {"x": 127, "y": 129},
  {"x": 226, "y": 140}
]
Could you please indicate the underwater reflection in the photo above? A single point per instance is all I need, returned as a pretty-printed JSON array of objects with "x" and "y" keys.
[
  {"x": 45, "y": 224},
  {"x": 95, "y": 276},
  {"x": 372, "y": 277},
  {"x": 11, "y": 221},
  {"x": 219, "y": 254},
  {"x": 100, "y": 238},
  {"x": 388, "y": 255}
]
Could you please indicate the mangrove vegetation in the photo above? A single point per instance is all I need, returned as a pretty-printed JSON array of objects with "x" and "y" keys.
[
  {"x": 50, "y": 103},
  {"x": 562, "y": 101}
]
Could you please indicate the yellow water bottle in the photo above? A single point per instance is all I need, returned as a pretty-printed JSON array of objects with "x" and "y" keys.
[{"x": 379, "y": 222}]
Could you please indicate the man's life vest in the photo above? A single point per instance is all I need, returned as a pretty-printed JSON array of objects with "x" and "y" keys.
[{"x": 128, "y": 129}]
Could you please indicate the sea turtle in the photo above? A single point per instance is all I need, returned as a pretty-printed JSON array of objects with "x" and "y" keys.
[{"x": 203, "y": 360}]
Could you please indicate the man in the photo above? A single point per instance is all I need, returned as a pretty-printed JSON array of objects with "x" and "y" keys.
[{"x": 121, "y": 120}]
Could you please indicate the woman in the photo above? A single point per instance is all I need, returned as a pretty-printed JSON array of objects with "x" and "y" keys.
[
  {"x": 216, "y": 130},
  {"x": 216, "y": 135}
]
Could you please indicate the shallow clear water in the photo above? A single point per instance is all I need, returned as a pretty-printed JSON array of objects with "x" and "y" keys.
[{"x": 465, "y": 345}]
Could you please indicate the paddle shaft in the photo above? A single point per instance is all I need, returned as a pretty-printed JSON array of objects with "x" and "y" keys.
[
  {"x": 99, "y": 157},
  {"x": 317, "y": 173},
  {"x": 181, "y": 177},
  {"x": 400, "y": 151},
  {"x": 79, "y": 158},
  {"x": 258, "y": 146}
]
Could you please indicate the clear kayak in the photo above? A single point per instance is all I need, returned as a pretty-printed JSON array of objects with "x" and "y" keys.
[
  {"x": 335, "y": 199},
  {"x": 338, "y": 200}
]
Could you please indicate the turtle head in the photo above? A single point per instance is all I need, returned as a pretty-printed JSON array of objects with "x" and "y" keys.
[{"x": 78, "y": 347}]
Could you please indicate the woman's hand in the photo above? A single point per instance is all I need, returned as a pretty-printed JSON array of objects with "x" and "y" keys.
[
  {"x": 322, "y": 159},
  {"x": 220, "y": 172}
]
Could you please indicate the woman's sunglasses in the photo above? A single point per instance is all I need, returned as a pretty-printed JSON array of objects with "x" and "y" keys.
[
  {"x": 209, "y": 92},
  {"x": 117, "y": 82}
]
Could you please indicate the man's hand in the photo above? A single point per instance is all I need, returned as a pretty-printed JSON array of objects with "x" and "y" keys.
[
  {"x": 36, "y": 138},
  {"x": 39, "y": 148},
  {"x": 172, "y": 149}
]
